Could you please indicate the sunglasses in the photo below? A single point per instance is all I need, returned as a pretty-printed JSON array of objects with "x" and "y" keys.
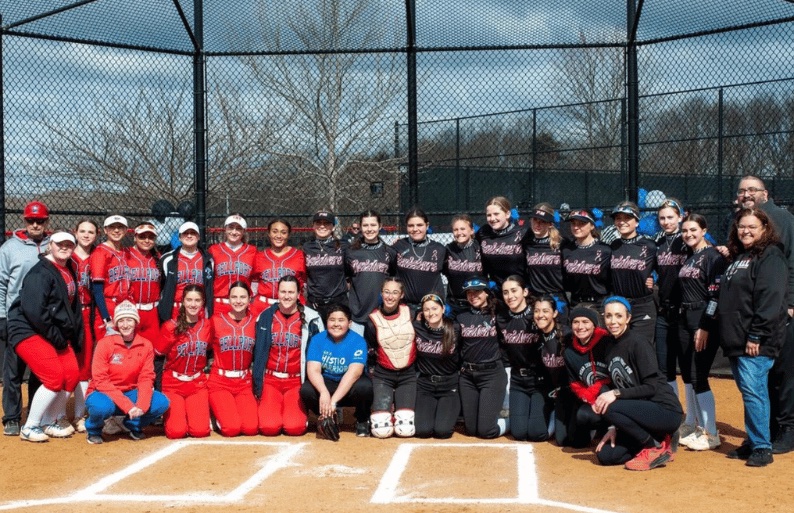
[{"x": 37, "y": 220}]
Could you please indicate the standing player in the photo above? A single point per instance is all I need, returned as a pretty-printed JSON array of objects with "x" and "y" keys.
[
  {"x": 184, "y": 343},
  {"x": 502, "y": 242},
  {"x": 275, "y": 262},
  {"x": 544, "y": 258},
  {"x": 233, "y": 260},
  {"x": 326, "y": 283},
  {"x": 187, "y": 264},
  {"x": 586, "y": 263},
  {"x": 144, "y": 278},
  {"x": 86, "y": 233},
  {"x": 419, "y": 260},
  {"x": 109, "y": 283},
  {"x": 230, "y": 386},
  {"x": 17, "y": 255},
  {"x": 463, "y": 261}
]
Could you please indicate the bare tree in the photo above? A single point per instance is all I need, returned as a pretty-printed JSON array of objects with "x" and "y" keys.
[{"x": 338, "y": 105}]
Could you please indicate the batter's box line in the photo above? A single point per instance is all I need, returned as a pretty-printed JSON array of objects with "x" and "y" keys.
[
  {"x": 93, "y": 493},
  {"x": 527, "y": 478}
]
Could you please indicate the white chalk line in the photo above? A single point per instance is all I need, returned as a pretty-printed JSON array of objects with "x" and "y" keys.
[
  {"x": 527, "y": 480},
  {"x": 92, "y": 493}
]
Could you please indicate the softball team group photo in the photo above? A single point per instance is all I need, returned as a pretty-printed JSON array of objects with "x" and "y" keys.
[{"x": 535, "y": 329}]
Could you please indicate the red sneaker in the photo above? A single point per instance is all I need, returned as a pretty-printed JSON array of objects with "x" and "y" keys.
[
  {"x": 670, "y": 444},
  {"x": 649, "y": 458}
]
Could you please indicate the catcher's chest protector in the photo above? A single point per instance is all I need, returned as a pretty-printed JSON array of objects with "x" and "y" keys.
[{"x": 395, "y": 336}]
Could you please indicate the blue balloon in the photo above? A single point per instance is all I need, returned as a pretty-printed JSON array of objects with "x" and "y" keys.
[
  {"x": 597, "y": 213},
  {"x": 557, "y": 218},
  {"x": 648, "y": 225},
  {"x": 476, "y": 227},
  {"x": 514, "y": 214},
  {"x": 642, "y": 196},
  {"x": 599, "y": 224},
  {"x": 429, "y": 230}
]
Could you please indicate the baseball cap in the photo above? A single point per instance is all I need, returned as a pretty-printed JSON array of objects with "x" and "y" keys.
[
  {"x": 627, "y": 207},
  {"x": 145, "y": 228},
  {"x": 115, "y": 220},
  {"x": 59, "y": 237},
  {"x": 581, "y": 215},
  {"x": 324, "y": 215},
  {"x": 190, "y": 225},
  {"x": 476, "y": 283},
  {"x": 125, "y": 310},
  {"x": 234, "y": 218},
  {"x": 541, "y": 215},
  {"x": 36, "y": 210}
]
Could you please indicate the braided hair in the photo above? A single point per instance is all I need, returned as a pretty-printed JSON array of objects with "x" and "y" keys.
[
  {"x": 182, "y": 324},
  {"x": 292, "y": 279}
]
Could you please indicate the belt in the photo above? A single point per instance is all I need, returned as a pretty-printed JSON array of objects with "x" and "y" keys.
[
  {"x": 472, "y": 367},
  {"x": 232, "y": 373},
  {"x": 145, "y": 307},
  {"x": 433, "y": 378},
  {"x": 524, "y": 372},
  {"x": 186, "y": 377},
  {"x": 641, "y": 300},
  {"x": 223, "y": 300},
  {"x": 694, "y": 305},
  {"x": 281, "y": 375}
]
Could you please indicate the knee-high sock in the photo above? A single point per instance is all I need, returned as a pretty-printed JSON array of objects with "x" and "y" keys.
[
  {"x": 79, "y": 399},
  {"x": 691, "y": 405},
  {"x": 504, "y": 425},
  {"x": 506, "y": 402},
  {"x": 57, "y": 408},
  {"x": 674, "y": 386},
  {"x": 707, "y": 411},
  {"x": 552, "y": 424},
  {"x": 41, "y": 402}
]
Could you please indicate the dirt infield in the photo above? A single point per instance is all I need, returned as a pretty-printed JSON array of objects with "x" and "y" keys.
[{"x": 363, "y": 474}]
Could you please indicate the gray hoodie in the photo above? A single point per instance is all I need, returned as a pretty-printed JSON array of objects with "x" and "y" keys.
[{"x": 17, "y": 255}]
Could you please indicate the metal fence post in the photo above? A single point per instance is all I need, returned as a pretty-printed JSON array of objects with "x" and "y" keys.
[
  {"x": 413, "y": 151},
  {"x": 2, "y": 143},
  {"x": 199, "y": 118},
  {"x": 534, "y": 155},
  {"x": 720, "y": 141},
  {"x": 457, "y": 167},
  {"x": 632, "y": 92}
]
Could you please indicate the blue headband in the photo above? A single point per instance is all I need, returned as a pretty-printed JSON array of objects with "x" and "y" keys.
[{"x": 617, "y": 299}]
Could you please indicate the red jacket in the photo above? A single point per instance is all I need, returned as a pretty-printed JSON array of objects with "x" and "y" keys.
[{"x": 117, "y": 368}]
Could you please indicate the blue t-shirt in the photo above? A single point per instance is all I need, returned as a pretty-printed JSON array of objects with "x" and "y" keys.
[{"x": 336, "y": 357}]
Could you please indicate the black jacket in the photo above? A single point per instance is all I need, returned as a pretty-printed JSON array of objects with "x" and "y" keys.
[
  {"x": 169, "y": 268},
  {"x": 43, "y": 308},
  {"x": 753, "y": 302}
]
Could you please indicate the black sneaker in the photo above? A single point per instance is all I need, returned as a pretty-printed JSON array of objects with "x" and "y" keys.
[
  {"x": 742, "y": 452},
  {"x": 362, "y": 429},
  {"x": 760, "y": 458},
  {"x": 784, "y": 442},
  {"x": 11, "y": 428},
  {"x": 137, "y": 435},
  {"x": 95, "y": 439}
]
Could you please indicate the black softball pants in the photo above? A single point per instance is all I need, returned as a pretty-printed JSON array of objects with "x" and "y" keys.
[
  {"x": 696, "y": 365},
  {"x": 639, "y": 422},
  {"x": 397, "y": 387},
  {"x": 437, "y": 405},
  {"x": 359, "y": 396},
  {"x": 530, "y": 408},
  {"x": 482, "y": 393}
]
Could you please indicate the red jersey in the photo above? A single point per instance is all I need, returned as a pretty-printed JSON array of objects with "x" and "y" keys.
[
  {"x": 189, "y": 272},
  {"x": 231, "y": 265},
  {"x": 143, "y": 276},
  {"x": 108, "y": 266},
  {"x": 233, "y": 342},
  {"x": 271, "y": 267},
  {"x": 285, "y": 349},
  {"x": 83, "y": 278},
  {"x": 117, "y": 368},
  {"x": 185, "y": 353},
  {"x": 71, "y": 285}
]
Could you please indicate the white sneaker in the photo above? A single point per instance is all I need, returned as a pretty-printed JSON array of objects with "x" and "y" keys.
[
  {"x": 688, "y": 433},
  {"x": 79, "y": 425},
  {"x": 705, "y": 441},
  {"x": 33, "y": 434},
  {"x": 55, "y": 430}
]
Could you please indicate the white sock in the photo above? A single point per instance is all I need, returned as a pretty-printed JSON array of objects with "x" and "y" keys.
[
  {"x": 708, "y": 411},
  {"x": 79, "y": 400},
  {"x": 42, "y": 400},
  {"x": 57, "y": 408},
  {"x": 691, "y": 405},
  {"x": 504, "y": 426},
  {"x": 552, "y": 424},
  {"x": 674, "y": 386},
  {"x": 506, "y": 402}
]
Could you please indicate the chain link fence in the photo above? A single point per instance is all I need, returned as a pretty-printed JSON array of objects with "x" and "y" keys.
[{"x": 279, "y": 109}]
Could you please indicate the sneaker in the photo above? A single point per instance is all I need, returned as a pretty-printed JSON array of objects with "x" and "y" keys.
[
  {"x": 784, "y": 441},
  {"x": 742, "y": 452},
  {"x": 692, "y": 433},
  {"x": 362, "y": 429},
  {"x": 79, "y": 425},
  {"x": 686, "y": 429},
  {"x": 11, "y": 428},
  {"x": 55, "y": 430},
  {"x": 95, "y": 439},
  {"x": 670, "y": 445},
  {"x": 760, "y": 458},
  {"x": 706, "y": 441},
  {"x": 137, "y": 435},
  {"x": 114, "y": 426},
  {"x": 649, "y": 458},
  {"x": 33, "y": 434}
]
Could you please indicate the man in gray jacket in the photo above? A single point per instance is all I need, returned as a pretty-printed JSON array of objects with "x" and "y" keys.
[{"x": 17, "y": 255}]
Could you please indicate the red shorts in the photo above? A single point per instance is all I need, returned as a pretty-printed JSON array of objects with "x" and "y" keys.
[{"x": 57, "y": 370}]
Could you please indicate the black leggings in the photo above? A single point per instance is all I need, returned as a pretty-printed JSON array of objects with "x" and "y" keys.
[
  {"x": 689, "y": 359},
  {"x": 437, "y": 405},
  {"x": 639, "y": 422},
  {"x": 359, "y": 395},
  {"x": 393, "y": 387},
  {"x": 667, "y": 342},
  {"x": 643, "y": 320},
  {"x": 482, "y": 393},
  {"x": 574, "y": 420},
  {"x": 530, "y": 409}
]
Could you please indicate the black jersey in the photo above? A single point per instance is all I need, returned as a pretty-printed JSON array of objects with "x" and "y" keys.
[
  {"x": 479, "y": 342},
  {"x": 632, "y": 262},
  {"x": 522, "y": 344},
  {"x": 544, "y": 266},
  {"x": 461, "y": 264},
  {"x": 430, "y": 357},
  {"x": 671, "y": 253},
  {"x": 700, "y": 276},
  {"x": 367, "y": 267},
  {"x": 587, "y": 364},
  {"x": 503, "y": 251},
  {"x": 586, "y": 271},
  {"x": 325, "y": 268},
  {"x": 419, "y": 266}
]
